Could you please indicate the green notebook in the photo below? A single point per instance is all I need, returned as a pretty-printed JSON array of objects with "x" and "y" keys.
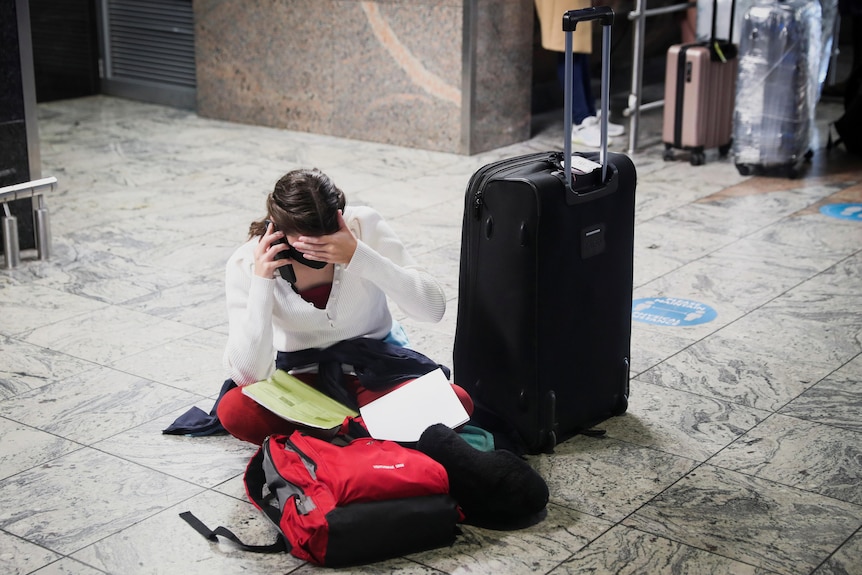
[{"x": 298, "y": 402}]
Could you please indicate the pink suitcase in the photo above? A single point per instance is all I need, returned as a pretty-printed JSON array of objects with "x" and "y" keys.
[{"x": 699, "y": 94}]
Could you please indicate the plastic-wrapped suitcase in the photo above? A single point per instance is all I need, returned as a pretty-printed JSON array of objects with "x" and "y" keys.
[
  {"x": 700, "y": 85},
  {"x": 543, "y": 332},
  {"x": 727, "y": 15},
  {"x": 777, "y": 86}
]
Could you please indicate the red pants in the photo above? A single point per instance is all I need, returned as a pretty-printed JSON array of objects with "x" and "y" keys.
[{"x": 249, "y": 421}]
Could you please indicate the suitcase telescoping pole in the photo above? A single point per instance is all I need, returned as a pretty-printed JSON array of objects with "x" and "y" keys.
[{"x": 605, "y": 15}]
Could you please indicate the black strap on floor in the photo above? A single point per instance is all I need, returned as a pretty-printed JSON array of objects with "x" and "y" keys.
[{"x": 212, "y": 535}]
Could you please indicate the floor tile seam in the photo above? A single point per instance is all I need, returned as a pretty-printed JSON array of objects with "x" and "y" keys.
[
  {"x": 688, "y": 457},
  {"x": 101, "y": 306},
  {"x": 79, "y": 446},
  {"x": 746, "y": 313},
  {"x": 760, "y": 569},
  {"x": 697, "y": 393},
  {"x": 90, "y": 363},
  {"x": 815, "y": 384},
  {"x": 198, "y": 398},
  {"x": 705, "y": 464},
  {"x": 708, "y": 462},
  {"x": 139, "y": 520},
  {"x": 60, "y": 556},
  {"x": 116, "y": 368},
  {"x": 622, "y": 521},
  {"x": 195, "y": 330},
  {"x": 431, "y": 569},
  {"x": 610, "y": 525},
  {"x": 691, "y": 261},
  {"x": 737, "y": 239},
  {"x": 211, "y": 325},
  {"x": 849, "y": 538}
]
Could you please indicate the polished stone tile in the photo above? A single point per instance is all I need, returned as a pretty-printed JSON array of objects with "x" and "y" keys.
[
  {"x": 536, "y": 549},
  {"x": 625, "y": 551},
  {"x": 94, "y": 404},
  {"x": 661, "y": 248},
  {"x": 810, "y": 456},
  {"x": 845, "y": 560},
  {"x": 161, "y": 542},
  {"x": 813, "y": 231},
  {"x": 23, "y": 447},
  {"x": 443, "y": 264},
  {"x": 192, "y": 363},
  {"x": 737, "y": 372},
  {"x": 199, "y": 302},
  {"x": 653, "y": 344},
  {"x": 680, "y": 423},
  {"x": 24, "y": 367},
  {"x": 746, "y": 273},
  {"x": 27, "y": 307},
  {"x": 101, "y": 275},
  {"x": 205, "y": 461},
  {"x": 19, "y": 557},
  {"x": 742, "y": 214},
  {"x": 608, "y": 478},
  {"x": 107, "y": 334},
  {"x": 804, "y": 330},
  {"x": 67, "y": 513},
  {"x": 67, "y": 566},
  {"x": 836, "y": 400},
  {"x": 749, "y": 519}
]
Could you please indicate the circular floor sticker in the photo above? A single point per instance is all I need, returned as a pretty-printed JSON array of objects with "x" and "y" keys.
[
  {"x": 843, "y": 211},
  {"x": 671, "y": 311}
]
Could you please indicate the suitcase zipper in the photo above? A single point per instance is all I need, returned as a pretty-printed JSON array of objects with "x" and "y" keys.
[{"x": 491, "y": 170}]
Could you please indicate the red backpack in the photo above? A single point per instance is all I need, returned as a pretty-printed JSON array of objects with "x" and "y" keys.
[{"x": 346, "y": 505}]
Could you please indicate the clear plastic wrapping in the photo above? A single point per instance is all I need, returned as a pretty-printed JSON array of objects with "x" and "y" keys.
[{"x": 779, "y": 82}]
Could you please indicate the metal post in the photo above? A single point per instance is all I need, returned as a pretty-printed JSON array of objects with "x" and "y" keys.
[
  {"x": 43, "y": 230},
  {"x": 606, "y": 98},
  {"x": 568, "y": 78},
  {"x": 637, "y": 74},
  {"x": 11, "y": 252}
]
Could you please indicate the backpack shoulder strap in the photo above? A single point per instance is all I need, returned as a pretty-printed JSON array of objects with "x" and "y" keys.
[{"x": 279, "y": 546}]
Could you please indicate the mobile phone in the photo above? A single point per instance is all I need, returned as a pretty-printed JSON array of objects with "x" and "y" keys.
[{"x": 294, "y": 254}]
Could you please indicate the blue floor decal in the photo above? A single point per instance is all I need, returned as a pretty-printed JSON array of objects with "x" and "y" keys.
[{"x": 671, "y": 311}]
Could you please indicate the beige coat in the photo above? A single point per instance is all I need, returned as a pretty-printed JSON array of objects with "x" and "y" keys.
[{"x": 551, "y": 20}]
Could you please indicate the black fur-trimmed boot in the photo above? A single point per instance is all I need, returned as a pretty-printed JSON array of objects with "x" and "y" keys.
[{"x": 494, "y": 488}]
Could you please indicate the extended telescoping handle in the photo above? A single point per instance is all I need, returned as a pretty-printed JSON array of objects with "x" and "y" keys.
[{"x": 605, "y": 15}]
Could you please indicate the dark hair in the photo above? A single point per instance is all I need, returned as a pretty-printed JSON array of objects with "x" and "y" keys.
[{"x": 303, "y": 202}]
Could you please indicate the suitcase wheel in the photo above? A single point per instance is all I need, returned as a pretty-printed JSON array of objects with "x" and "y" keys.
[
  {"x": 668, "y": 153},
  {"x": 621, "y": 406},
  {"x": 744, "y": 169},
  {"x": 697, "y": 158},
  {"x": 550, "y": 442}
]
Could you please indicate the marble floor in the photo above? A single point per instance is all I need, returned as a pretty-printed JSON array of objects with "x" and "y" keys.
[{"x": 741, "y": 451}]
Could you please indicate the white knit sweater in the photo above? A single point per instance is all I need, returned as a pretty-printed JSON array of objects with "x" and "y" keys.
[{"x": 265, "y": 314}]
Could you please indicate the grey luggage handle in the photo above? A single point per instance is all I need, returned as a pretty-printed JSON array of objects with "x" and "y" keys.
[{"x": 605, "y": 15}]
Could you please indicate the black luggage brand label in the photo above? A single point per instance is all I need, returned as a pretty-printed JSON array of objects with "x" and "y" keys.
[{"x": 592, "y": 240}]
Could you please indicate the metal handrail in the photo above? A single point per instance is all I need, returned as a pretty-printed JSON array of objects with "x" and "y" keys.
[{"x": 25, "y": 190}]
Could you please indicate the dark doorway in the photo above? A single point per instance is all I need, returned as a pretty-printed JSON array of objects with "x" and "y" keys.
[{"x": 65, "y": 48}]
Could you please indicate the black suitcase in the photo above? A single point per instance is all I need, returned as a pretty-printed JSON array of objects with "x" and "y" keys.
[{"x": 543, "y": 330}]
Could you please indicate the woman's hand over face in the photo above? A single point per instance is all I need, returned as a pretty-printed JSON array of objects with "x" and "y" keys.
[{"x": 337, "y": 248}]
